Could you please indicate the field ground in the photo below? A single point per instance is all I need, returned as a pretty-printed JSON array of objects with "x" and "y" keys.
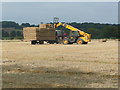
[{"x": 94, "y": 65}]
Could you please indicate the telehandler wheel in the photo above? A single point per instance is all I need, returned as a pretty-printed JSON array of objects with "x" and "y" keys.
[
  {"x": 65, "y": 41},
  {"x": 81, "y": 41}
]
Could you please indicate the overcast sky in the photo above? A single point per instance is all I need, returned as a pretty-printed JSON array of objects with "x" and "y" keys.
[{"x": 36, "y": 12}]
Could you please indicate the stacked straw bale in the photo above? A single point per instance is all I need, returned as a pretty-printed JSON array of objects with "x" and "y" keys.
[{"x": 39, "y": 33}]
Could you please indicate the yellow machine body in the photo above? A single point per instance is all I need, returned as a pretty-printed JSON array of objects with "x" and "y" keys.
[{"x": 84, "y": 36}]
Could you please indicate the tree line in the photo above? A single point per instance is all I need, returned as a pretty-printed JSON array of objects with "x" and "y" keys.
[
  {"x": 12, "y": 30},
  {"x": 12, "y": 34},
  {"x": 99, "y": 31}
]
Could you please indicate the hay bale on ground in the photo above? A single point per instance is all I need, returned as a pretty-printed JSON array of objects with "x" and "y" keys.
[{"x": 103, "y": 40}]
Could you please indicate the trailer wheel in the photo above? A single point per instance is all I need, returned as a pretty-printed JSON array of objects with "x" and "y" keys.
[
  {"x": 41, "y": 42},
  {"x": 51, "y": 42},
  {"x": 33, "y": 42}
]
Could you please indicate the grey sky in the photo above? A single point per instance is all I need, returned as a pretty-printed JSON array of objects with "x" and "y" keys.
[{"x": 36, "y": 12}]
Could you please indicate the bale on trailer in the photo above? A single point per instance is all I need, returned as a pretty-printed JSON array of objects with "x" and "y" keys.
[
  {"x": 45, "y": 26},
  {"x": 29, "y": 33},
  {"x": 39, "y": 34}
]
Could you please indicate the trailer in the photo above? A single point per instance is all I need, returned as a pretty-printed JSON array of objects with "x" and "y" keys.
[{"x": 37, "y": 35}]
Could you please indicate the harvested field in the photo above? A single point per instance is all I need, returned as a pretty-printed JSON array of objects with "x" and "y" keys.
[{"x": 94, "y": 65}]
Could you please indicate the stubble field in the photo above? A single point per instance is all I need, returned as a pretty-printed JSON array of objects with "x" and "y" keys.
[{"x": 94, "y": 65}]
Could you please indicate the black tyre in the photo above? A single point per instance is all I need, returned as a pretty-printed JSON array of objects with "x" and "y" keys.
[
  {"x": 70, "y": 43},
  {"x": 65, "y": 41},
  {"x": 51, "y": 42},
  {"x": 33, "y": 42},
  {"x": 41, "y": 42},
  {"x": 85, "y": 42},
  {"x": 81, "y": 41}
]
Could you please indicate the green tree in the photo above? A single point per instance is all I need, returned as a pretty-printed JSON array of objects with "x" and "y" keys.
[
  {"x": 13, "y": 34},
  {"x": 19, "y": 34},
  {"x": 5, "y": 34},
  {"x": 110, "y": 32},
  {"x": 94, "y": 32},
  {"x": 10, "y": 24},
  {"x": 25, "y": 25}
]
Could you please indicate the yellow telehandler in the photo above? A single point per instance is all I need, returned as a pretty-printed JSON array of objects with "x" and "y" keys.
[{"x": 77, "y": 36}]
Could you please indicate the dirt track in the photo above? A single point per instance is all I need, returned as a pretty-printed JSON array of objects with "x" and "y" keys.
[{"x": 74, "y": 66}]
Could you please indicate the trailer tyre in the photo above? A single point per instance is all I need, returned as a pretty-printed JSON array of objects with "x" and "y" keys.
[
  {"x": 51, "y": 42},
  {"x": 41, "y": 42},
  {"x": 33, "y": 42}
]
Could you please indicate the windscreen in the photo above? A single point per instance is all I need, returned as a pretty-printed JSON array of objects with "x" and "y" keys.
[{"x": 74, "y": 33}]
